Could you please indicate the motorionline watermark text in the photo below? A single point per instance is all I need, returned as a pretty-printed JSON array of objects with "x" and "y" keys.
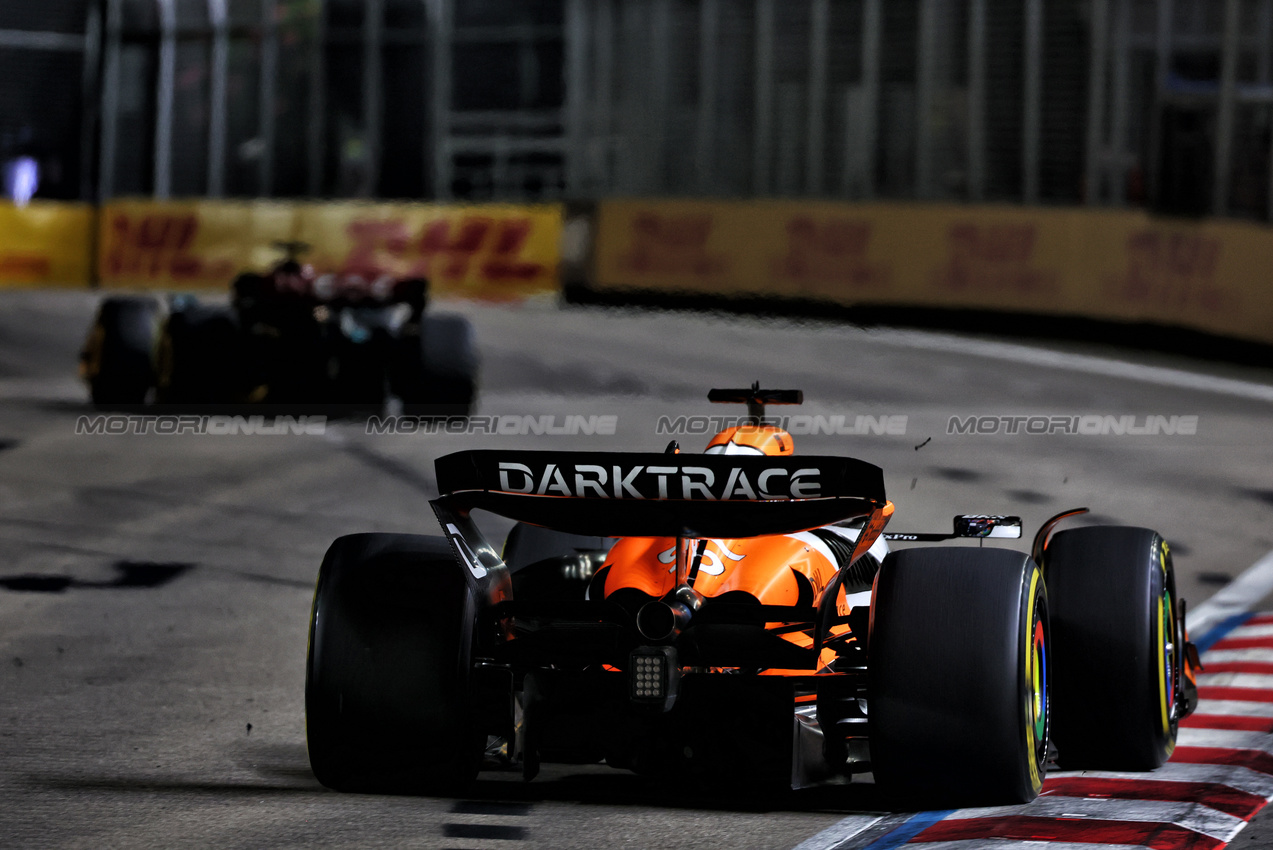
[
  {"x": 848, "y": 425},
  {"x": 118, "y": 424},
  {"x": 502, "y": 425},
  {"x": 1090, "y": 424}
]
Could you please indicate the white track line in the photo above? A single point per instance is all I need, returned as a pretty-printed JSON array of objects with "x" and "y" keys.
[
  {"x": 1086, "y": 363},
  {"x": 1236, "y": 708},
  {"x": 1015, "y": 844},
  {"x": 1242, "y": 778},
  {"x": 1225, "y": 739},
  {"x": 1261, "y": 681},
  {"x": 1237, "y": 597},
  {"x": 840, "y": 832},
  {"x": 1193, "y": 816},
  {"x": 1239, "y": 656}
]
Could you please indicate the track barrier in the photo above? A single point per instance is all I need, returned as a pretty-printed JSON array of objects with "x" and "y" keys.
[
  {"x": 1124, "y": 266},
  {"x": 1213, "y": 276}
]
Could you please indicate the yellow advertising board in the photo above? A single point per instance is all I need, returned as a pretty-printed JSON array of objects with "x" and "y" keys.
[
  {"x": 493, "y": 251},
  {"x": 489, "y": 251},
  {"x": 182, "y": 244},
  {"x": 1107, "y": 264},
  {"x": 1122, "y": 265},
  {"x": 45, "y": 242}
]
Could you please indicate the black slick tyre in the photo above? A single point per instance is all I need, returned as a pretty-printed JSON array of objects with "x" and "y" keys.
[
  {"x": 958, "y": 676},
  {"x": 118, "y": 355},
  {"x": 1116, "y": 638},
  {"x": 199, "y": 357},
  {"x": 388, "y": 704},
  {"x": 440, "y": 376}
]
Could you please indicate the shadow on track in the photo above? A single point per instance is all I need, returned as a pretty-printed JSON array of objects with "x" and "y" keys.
[{"x": 131, "y": 574}]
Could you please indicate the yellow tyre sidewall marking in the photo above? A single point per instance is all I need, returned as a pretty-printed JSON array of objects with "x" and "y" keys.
[
  {"x": 1030, "y": 674},
  {"x": 93, "y": 352},
  {"x": 1160, "y": 633},
  {"x": 163, "y": 360},
  {"x": 1162, "y": 668}
]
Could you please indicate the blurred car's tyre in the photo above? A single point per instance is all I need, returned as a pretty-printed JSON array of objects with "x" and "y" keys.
[
  {"x": 440, "y": 376},
  {"x": 118, "y": 355},
  {"x": 246, "y": 294},
  {"x": 388, "y": 680},
  {"x": 414, "y": 292},
  {"x": 958, "y": 676},
  {"x": 198, "y": 360},
  {"x": 1117, "y": 648}
]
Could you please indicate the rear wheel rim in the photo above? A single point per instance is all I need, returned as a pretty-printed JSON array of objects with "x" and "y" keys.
[
  {"x": 1169, "y": 642},
  {"x": 1167, "y": 673},
  {"x": 1037, "y": 706}
]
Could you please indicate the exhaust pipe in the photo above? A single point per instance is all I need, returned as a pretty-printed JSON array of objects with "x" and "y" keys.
[{"x": 665, "y": 619}]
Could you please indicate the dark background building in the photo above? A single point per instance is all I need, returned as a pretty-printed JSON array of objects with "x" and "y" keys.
[{"x": 1163, "y": 103}]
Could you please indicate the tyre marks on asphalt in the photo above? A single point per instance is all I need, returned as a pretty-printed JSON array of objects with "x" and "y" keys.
[
  {"x": 480, "y": 825},
  {"x": 129, "y": 575},
  {"x": 1219, "y": 777}
]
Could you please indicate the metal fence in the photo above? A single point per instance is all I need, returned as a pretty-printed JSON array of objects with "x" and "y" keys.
[
  {"x": 46, "y": 49},
  {"x": 1165, "y": 103},
  {"x": 926, "y": 99}
]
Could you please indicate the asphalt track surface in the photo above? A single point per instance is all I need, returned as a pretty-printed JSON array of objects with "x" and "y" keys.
[{"x": 155, "y": 590}]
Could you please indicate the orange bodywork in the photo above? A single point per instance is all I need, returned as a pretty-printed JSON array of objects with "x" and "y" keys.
[
  {"x": 765, "y": 439},
  {"x": 771, "y": 569},
  {"x": 761, "y": 566},
  {"x": 774, "y": 569}
]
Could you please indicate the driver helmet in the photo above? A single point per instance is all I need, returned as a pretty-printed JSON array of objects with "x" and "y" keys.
[{"x": 751, "y": 440}]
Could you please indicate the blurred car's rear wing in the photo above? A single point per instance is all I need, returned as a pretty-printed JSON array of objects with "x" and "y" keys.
[{"x": 622, "y": 494}]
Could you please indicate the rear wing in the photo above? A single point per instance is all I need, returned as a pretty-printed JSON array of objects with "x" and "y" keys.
[{"x": 621, "y": 494}]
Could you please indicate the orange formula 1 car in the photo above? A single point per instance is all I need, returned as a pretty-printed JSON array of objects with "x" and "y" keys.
[{"x": 736, "y": 617}]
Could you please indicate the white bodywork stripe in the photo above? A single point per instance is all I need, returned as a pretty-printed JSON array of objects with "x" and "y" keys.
[
  {"x": 878, "y": 550},
  {"x": 815, "y": 543},
  {"x": 857, "y": 600}
]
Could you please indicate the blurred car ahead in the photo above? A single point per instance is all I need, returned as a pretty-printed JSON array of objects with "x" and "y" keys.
[{"x": 289, "y": 337}]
